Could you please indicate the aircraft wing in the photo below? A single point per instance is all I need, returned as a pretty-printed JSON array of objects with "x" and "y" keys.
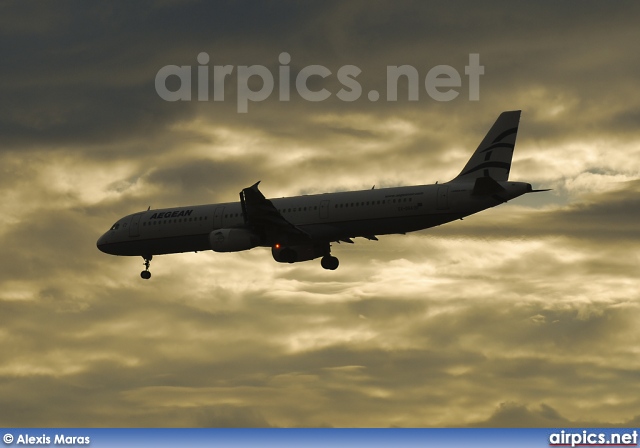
[{"x": 260, "y": 213}]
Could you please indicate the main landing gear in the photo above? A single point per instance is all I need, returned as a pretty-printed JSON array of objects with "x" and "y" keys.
[
  {"x": 328, "y": 261},
  {"x": 147, "y": 261}
]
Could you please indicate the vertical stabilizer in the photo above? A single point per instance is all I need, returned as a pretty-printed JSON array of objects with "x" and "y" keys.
[{"x": 493, "y": 156}]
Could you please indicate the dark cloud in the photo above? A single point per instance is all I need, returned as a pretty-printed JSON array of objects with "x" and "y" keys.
[{"x": 85, "y": 73}]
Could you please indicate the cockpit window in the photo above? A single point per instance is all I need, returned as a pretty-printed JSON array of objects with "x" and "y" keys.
[{"x": 115, "y": 226}]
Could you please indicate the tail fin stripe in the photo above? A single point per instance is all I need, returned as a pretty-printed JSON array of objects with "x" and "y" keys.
[
  {"x": 482, "y": 166},
  {"x": 505, "y": 133},
  {"x": 499, "y": 145}
]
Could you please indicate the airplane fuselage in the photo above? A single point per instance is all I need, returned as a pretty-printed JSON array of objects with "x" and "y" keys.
[{"x": 324, "y": 217}]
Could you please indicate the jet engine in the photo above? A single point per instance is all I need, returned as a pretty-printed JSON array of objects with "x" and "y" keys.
[
  {"x": 293, "y": 254},
  {"x": 233, "y": 240}
]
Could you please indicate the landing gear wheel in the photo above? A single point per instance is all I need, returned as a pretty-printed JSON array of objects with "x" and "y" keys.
[
  {"x": 147, "y": 262},
  {"x": 330, "y": 262}
]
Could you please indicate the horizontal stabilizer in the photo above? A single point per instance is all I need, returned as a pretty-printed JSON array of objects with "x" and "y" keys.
[{"x": 486, "y": 186}]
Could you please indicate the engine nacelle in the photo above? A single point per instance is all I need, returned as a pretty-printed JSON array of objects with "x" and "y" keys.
[
  {"x": 233, "y": 240},
  {"x": 293, "y": 254}
]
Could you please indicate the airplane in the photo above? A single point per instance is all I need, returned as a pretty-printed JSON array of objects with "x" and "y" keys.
[{"x": 303, "y": 228}]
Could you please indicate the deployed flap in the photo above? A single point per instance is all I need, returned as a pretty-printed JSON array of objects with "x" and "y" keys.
[{"x": 260, "y": 212}]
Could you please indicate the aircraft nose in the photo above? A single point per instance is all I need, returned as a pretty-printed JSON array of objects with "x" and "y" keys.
[{"x": 102, "y": 243}]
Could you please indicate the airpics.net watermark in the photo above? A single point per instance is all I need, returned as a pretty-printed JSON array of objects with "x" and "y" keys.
[{"x": 440, "y": 82}]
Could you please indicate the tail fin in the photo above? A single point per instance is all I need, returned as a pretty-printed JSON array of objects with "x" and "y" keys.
[{"x": 493, "y": 156}]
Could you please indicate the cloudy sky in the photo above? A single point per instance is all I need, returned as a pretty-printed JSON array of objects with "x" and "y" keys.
[{"x": 524, "y": 315}]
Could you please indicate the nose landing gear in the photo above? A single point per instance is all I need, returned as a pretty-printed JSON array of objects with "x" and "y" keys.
[{"x": 147, "y": 261}]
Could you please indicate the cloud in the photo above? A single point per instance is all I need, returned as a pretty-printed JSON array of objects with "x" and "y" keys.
[{"x": 510, "y": 414}]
